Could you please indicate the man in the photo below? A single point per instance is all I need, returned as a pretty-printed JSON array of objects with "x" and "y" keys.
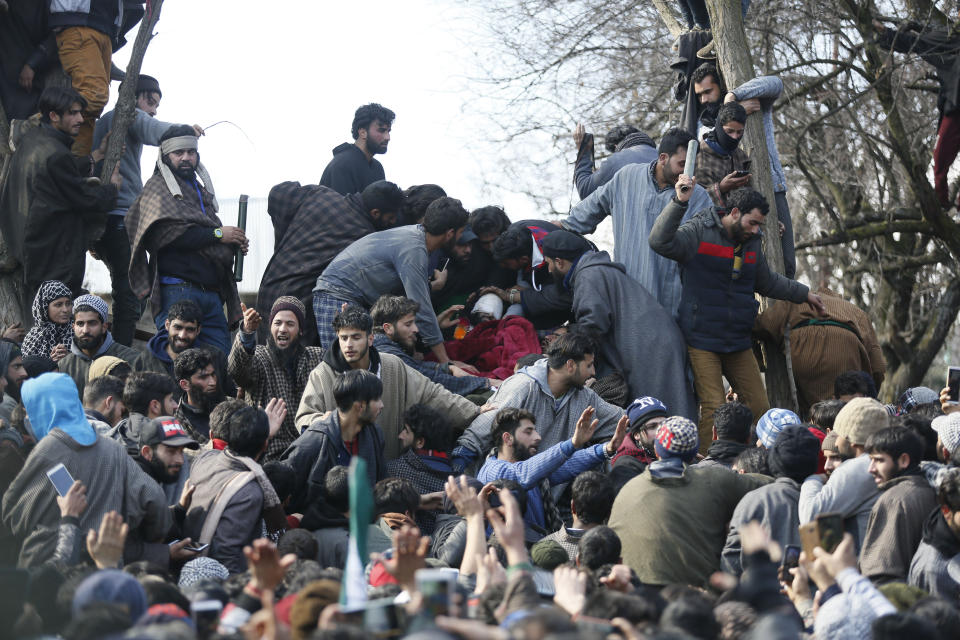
[
  {"x": 518, "y": 251},
  {"x": 113, "y": 247},
  {"x": 592, "y": 498},
  {"x": 112, "y": 479},
  {"x": 331, "y": 522},
  {"x": 161, "y": 444},
  {"x": 395, "y": 332},
  {"x": 333, "y": 438},
  {"x": 103, "y": 402},
  {"x": 518, "y": 456},
  {"x": 792, "y": 458},
  {"x": 906, "y": 500},
  {"x": 940, "y": 545},
  {"x": 636, "y": 452},
  {"x": 709, "y": 87},
  {"x": 402, "y": 386},
  {"x": 425, "y": 461},
  {"x": 722, "y": 165},
  {"x": 635, "y": 148},
  {"x": 279, "y": 369},
  {"x": 720, "y": 254},
  {"x": 233, "y": 498},
  {"x": 395, "y": 503},
  {"x": 311, "y": 225},
  {"x": 197, "y": 378},
  {"x": 353, "y": 166},
  {"x": 180, "y": 331},
  {"x": 13, "y": 374},
  {"x": 685, "y": 504},
  {"x": 851, "y": 490},
  {"x": 630, "y": 328},
  {"x": 634, "y": 198},
  {"x": 553, "y": 390},
  {"x": 47, "y": 208},
  {"x": 851, "y": 384},
  {"x": 191, "y": 253},
  {"x": 391, "y": 262},
  {"x": 771, "y": 423},
  {"x": 92, "y": 340},
  {"x": 731, "y": 434},
  {"x": 832, "y": 458},
  {"x": 823, "y": 348}
]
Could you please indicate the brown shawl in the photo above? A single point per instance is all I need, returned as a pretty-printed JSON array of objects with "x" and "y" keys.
[{"x": 155, "y": 219}]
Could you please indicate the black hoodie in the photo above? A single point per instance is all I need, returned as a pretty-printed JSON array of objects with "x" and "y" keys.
[
  {"x": 334, "y": 357},
  {"x": 350, "y": 171}
]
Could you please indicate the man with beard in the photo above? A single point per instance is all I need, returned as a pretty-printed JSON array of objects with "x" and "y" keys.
[
  {"x": 720, "y": 254},
  {"x": 92, "y": 340},
  {"x": 395, "y": 261},
  {"x": 197, "y": 379},
  {"x": 311, "y": 225},
  {"x": 634, "y": 198},
  {"x": 353, "y": 166},
  {"x": 395, "y": 332},
  {"x": 636, "y": 452},
  {"x": 103, "y": 402},
  {"x": 402, "y": 386},
  {"x": 161, "y": 442},
  {"x": 179, "y": 333},
  {"x": 554, "y": 390},
  {"x": 731, "y": 434},
  {"x": 14, "y": 374},
  {"x": 191, "y": 253},
  {"x": 278, "y": 370},
  {"x": 722, "y": 165},
  {"x": 518, "y": 458},
  {"x": 333, "y": 438}
]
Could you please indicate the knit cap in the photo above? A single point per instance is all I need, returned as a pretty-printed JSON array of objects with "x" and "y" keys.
[
  {"x": 677, "y": 437},
  {"x": 948, "y": 429},
  {"x": 642, "y": 409},
  {"x": 35, "y": 365},
  {"x": 794, "y": 454},
  {"x": 859, "y": 418},
  {"x": 548, "y": 554},
  {"x": 772, "y": 423},
  {"x": 202, "y": 568},
  {"x": 99, "y": 305},
  {"x": 914, "y": 397},
  {"x": 829, "y": 442},
  {"x": 114, "y": 586},
  {"x": 289, "y": 303}
]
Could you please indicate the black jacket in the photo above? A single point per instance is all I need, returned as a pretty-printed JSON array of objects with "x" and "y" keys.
[{"x": 349, "y": 171}]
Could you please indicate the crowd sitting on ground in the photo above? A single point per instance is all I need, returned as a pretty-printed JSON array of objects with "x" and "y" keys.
[{"x": 570, "y": 444}]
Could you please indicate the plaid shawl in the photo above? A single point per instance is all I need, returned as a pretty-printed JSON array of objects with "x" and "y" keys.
[{"x": 157, "y": 218}]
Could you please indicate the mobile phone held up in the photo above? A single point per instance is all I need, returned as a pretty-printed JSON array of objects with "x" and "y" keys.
[
  {"x": 825, "y": 531},
  {"x": 953, "y": 383},
  {"x": 61, "y": 479}
]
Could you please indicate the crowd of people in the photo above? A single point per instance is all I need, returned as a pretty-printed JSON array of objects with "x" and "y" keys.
[{"x": 530, "y": 438}]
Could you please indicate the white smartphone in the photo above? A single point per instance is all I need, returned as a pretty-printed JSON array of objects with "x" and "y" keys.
[
  {"x": 953, "y": 382},
  {"x": 61, "y": 479},
  {"x": 197, "y": 547},
  {"x": 438, "y": 587}
]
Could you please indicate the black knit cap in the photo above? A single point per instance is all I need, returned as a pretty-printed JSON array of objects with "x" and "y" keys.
[
  {"x": 564, "y": 244},
  {"x": 794, "y": 454},
  {"x": 148, "y": 83}
]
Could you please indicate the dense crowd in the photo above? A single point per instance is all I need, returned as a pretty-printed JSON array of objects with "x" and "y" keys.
[{"x": 439, "y": 423}]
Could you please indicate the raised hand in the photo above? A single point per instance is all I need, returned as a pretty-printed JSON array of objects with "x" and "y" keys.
[
  {"x": 251, "y": 319},
  {"x": 463, "y": 496},
  {"x": 75, "y": 502},
  {"x": 276, "y": 411},
  {"x": 586, "y": 425},
  {"x": 106, "y": 545},
  {"x": 266, "y": 566},
  {"x": 623, "y": 425}
]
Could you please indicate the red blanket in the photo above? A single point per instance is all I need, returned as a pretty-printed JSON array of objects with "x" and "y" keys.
[{"x": 494, "y": 347}]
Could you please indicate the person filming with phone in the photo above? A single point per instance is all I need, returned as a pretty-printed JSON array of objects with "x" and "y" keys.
[{"x": 722, "y": 165}]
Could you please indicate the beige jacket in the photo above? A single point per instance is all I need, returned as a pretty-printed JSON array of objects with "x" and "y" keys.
[{"x": 402, "y": 387}]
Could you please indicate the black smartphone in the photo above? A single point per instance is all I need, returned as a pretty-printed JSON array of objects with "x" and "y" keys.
[
  {"x": 953, "y": 382},
  {"x": 791, "y": 557},
  {"x": 741, "y": 174},
  {"x": 383, "y": 619},
  {"x": 206, "y": 616}
]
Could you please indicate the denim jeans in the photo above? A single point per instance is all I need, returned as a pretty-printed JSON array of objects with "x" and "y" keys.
[
  {"x": 114, "y": 248},
  {"x": 213, "y": 329}
]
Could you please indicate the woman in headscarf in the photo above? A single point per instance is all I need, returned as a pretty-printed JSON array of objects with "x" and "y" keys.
[{"x": 52, "y": 311}]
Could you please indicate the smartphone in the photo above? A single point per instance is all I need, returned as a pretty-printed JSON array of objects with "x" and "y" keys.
[
  {"x": 953, "y": 381},
  {"x": 741, "y": 174},
  {"x": 383, "y": 618},
  {"x": 61, "y": 479},
  {"x": 437, "y": 586},
  {"x": 791, "y": 557},
  {"x": 197, "y": 547},
  {"x": 206, "y": 616},
  {"x": 825, "y": 531}
]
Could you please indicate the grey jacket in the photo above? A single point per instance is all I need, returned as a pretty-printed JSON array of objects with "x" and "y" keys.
[
  {"x": 766, "y": 89},
  {"x": 775, "y": 507},
  {"x": 392, "y": 261},
  {"x": 850, "y": 491}
]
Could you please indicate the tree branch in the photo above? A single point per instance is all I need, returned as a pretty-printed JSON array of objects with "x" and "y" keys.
[{"x": 865, "y": 231}]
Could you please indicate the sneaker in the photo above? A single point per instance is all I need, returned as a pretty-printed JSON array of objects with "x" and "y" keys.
[{"x": 707, "y": 52}]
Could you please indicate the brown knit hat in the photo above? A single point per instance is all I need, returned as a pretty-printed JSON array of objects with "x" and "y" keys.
[
  {"x": 310, "y": 602},
  {"x": 829, "y": 442},
  {"x": 289, "y": 303},
  {"x": 859, "y": 418}
]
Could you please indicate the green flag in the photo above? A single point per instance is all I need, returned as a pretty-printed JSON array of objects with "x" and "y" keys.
[{"x": 353, "y": 591}]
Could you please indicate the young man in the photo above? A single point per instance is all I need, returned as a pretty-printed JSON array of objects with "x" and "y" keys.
[
  {"x": 554, "y": 390},
  {"x": 402, "y": 386},
  {"x": 634, "y": 198},
  {"x": 47, "y": 208},
  {"x": 92, "y": 340},
  {"x": 832, "y": 458},
  {"x": 388, "y": 262},
  {"x": 637, "y": 450},
  {"x": 518, "y": 457},
  {"x": 113, "y": 247},
  {"x": 906, "y": 500},
  {"x": 630, "y": 328},
  {"x": 849, "y": 385},
  {"x": 280, "y": 368},
  {"x": 720, "y": 253},
  {"x": 634, "y": 148},
  {"x": 731, "y": 434},
  {"x": 311, "y": 225},
  {"x": 13, "y": 375},
  {"x": 722, "y": 165},
  {"x": 395, "y": 332},
  {"x": 197, "y": 378},
  {"x": 103, "y": 402},
  {"x": 592, "y": 497},
  {"x": 161, "y": 444},
  {"x": 940, "y": 545},
  {"x": 333, "y": 438},
  {"x": 180, "y": 331},
  {"x": 353, "y": 166}
]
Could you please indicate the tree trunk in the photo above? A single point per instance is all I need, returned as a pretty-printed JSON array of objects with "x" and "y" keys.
[{"x": 11, "y": 274}]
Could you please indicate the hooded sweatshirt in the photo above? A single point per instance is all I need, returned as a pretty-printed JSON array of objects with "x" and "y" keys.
[
  {"x": 350, "y": 171},
  {"x": 77, "y": 364}
]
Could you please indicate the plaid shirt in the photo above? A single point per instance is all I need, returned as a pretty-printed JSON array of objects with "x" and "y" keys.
[{"x": 713, "y": 167}]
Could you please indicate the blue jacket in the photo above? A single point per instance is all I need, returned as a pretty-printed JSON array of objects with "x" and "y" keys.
[{"x": 717, "y": 310}]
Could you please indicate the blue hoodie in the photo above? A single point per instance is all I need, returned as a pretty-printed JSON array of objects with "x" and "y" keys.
[{"x": 52, "y": 401}]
